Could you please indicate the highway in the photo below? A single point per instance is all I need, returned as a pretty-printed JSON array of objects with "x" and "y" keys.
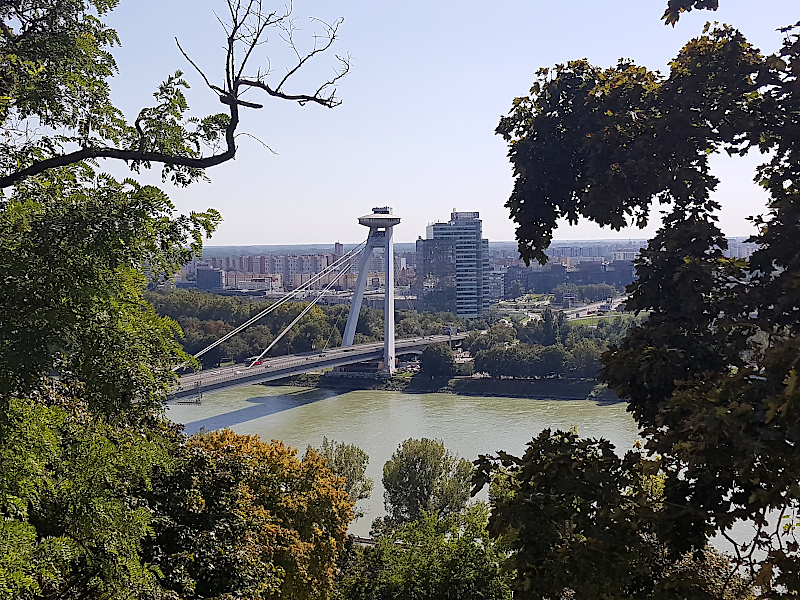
[{"x": 293, "y": 364}]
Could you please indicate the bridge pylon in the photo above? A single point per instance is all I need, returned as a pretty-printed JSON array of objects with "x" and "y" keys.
[{"x": 381, "y": 225}]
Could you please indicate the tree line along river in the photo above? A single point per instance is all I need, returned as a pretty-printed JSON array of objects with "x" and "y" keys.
[{"x": 378, "y": 421}]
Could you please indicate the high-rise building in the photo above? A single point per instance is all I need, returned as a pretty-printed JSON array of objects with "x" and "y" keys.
[{"x": 450, "y": 266}]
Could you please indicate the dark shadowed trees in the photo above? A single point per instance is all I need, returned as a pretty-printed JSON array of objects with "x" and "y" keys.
[
  {"x": 438, "y": 360},
  {"x": 711, "y": 375}
]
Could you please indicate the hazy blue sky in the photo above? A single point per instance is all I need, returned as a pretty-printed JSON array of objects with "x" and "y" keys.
[{"x": 415, "y": 131}]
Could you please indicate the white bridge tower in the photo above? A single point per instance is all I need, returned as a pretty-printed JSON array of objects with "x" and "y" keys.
[{"x": 381, "y": 224}]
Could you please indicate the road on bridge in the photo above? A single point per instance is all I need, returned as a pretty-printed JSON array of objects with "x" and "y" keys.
[{"x": 293, "y": 364}]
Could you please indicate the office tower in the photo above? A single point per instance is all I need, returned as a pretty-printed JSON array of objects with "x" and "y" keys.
[{"x": 450, "y": 266}]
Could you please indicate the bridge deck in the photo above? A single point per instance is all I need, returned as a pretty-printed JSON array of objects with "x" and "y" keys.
[{"x": 294, "y": 364}]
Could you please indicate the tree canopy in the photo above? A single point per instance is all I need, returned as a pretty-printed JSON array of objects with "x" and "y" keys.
[
  {"x": 85, "y": 361},
  {"x": 241, "y": 517},
  {"x": 711, "y": 375},
  {"x": 423, "y": 476},
  {"x": 348, "y": 461},
  {"x": 446, "y": 558}
]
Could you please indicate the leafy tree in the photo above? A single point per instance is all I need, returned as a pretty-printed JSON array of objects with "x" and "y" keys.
[
  {"x": 711, "y": 374},
  {"x": 582, "y": 522},
  {"x": 515, "y": 290},
  {"x": 442, "y": 558},
  {"x": 71, "y": 522},
  {"x": 241, "y": 518},
  {"x": 348, "y": 461},
  {"x": 583, "y": 360},
  {"x": 84, "y": 359},
  {"x": 422, "y": 476},
  {"x": 438, "y": 359},
  {"x": 551, "y": 329},
  {"x": 497, "y": 334}
]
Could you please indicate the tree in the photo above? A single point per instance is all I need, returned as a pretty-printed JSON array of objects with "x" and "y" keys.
[
  {"x": 348, "y": 461},
  {"x": 85, "y": 362},
  {"x": 437, "y": 558},
  {"x": 71, "y": 522},
  {"x": 53, "y": 49},
  {"x": 515, "y": 290},
  {"x": 422, "y": 476},
  {"x": 497, "y": 335},
  {"x": 582, "y": 522},
  {"x": 583, "y": 360},
  {"x": 438, "y": 360},
  {"x": 710, "y": 376},
  {"x": 240, "y": 517}
]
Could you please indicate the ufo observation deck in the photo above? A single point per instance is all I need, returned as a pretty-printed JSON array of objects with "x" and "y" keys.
[{"x": 380, "y": 217}]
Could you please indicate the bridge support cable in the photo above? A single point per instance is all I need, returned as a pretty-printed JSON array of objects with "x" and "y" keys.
[
  {"x": 346, "y": 258},
  {"x": 300, "y": 316}
]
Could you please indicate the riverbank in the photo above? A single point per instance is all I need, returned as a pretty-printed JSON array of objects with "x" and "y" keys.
[{"x": 553, "y": 389}]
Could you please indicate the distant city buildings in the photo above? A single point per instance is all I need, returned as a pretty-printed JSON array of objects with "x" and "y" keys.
[{"x": 452, "y": 269}]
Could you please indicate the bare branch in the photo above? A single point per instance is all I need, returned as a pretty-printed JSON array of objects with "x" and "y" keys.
[
  {"x": 332, "y": 35},
  {"x": 250, "y": 135},
  {"x": 196, "y": 68}
]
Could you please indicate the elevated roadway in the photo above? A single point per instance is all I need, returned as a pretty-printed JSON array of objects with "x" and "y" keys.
[{"x": 294, "y": 364}]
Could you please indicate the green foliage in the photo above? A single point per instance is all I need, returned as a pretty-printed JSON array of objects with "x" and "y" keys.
[
  {"x": 583, "y": 522},
  {"x": 672, "y": 14},
  {"x": 422, "y": 476},
  {"x": 49, "y": 50},
  {"x": 70, "y": 518},
  {"x": 497, "y": 335},
  {"x": 54, "y": 71},
  {"x": 205, "y": 317},
  {"x": 433, "y": 558},
  {"x": 241, "y": 518},
  {"x": 552, "y": 328},
  {"x": 582, "y": 143},
  {"x": 438, "y": 360},
  {"x": 85, "y": 361},
  {"x": 593, "y": 292},
  {"x": 348, "y": 461},
  {"x": 522, "y": 361},
  {"x": 70, "y": 250},
  {"x": 711, "y": 375}
]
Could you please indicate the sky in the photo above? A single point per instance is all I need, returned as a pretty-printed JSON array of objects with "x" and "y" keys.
[{"x": 428, "y": 84}]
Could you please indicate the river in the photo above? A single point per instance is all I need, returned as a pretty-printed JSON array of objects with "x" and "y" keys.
[{"x": 378, "y": 421}]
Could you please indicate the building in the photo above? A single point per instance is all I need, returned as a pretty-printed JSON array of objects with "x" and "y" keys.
[
  {"x": 209, "y": 279},
  {"x": 450, "y": 266}
]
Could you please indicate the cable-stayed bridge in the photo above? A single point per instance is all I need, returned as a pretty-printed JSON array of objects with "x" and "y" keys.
[
  {"x": 294, "y": 364},
  {"x": 381, "y": 224}
]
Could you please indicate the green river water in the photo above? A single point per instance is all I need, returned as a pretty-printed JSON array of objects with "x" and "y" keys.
[{"x": 378, "y": 421}]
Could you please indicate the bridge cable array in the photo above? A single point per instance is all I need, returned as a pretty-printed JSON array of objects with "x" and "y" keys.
[
  {"x": 303, "y": 312},
  {"x": 346, "y": 258}
]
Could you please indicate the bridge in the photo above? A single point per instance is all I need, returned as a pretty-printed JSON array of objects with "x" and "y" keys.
[
  {"x": 294, "y": 364},
  {"x": 381, "y": 224}
]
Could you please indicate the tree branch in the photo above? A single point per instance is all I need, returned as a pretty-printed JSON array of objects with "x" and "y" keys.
[
  {"x": 90, "y": 153},
  {"x": 244, "y": 32}
]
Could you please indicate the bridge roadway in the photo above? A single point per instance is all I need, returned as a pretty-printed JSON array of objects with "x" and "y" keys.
[{"x": 294, "y": 364}]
